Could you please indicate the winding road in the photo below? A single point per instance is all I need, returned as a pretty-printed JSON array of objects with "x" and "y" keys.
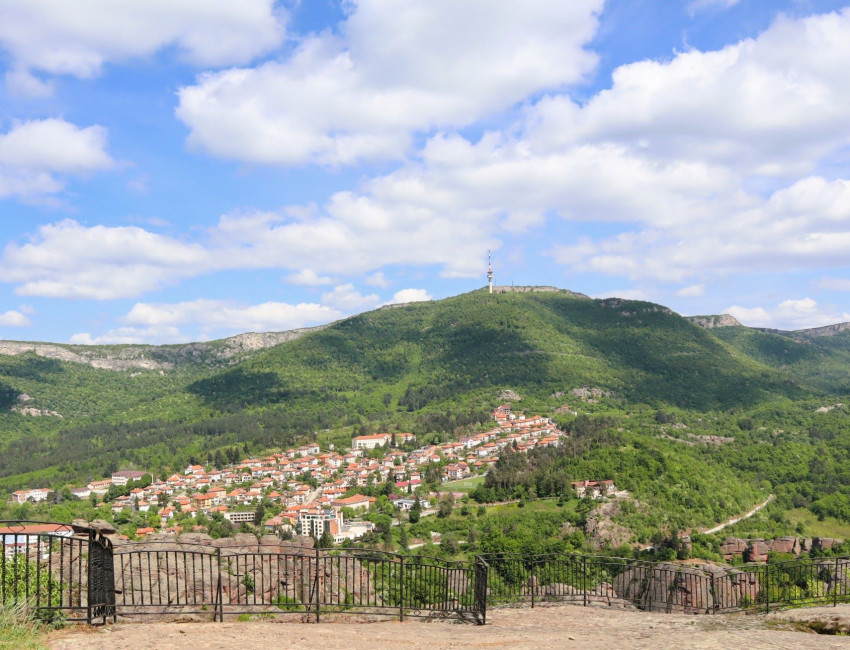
[{"x": 735, "y": 520}]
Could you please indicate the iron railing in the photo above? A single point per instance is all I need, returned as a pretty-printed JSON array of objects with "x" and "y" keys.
[
  {"x": 74, "y": 573},
  {"x": 58, "y": 571},
  {"x": 666, "y": 586},
  {"x": 169, "y": 577}
]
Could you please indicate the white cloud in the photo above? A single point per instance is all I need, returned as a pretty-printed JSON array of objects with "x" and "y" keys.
[
  {"x": 692, "y": 291},
  {"x": 35, "y": 155},
  {"x": 378, "y": 280},
  {"x": 22, "y": 83},
  {"x": 205, "y": 319},
  {"x": 218, "y": 315},
  {"x": 409, "y": 295},
  {"x": 769, "y": 106},
  {"x": 346, "y": 298},
  {"x": 78, "y": 38},
  {"x": 392, "y": 69},
  {"x": 14, "y": 318},
  {"x": 699, "y": 5},
  {"x": 789, "y": 314},
  {"x": 68, "y": 260},
  {"x": 308, "y": 277}
]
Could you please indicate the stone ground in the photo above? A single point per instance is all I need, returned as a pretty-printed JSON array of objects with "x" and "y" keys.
[{"x": 548, "y": 626}]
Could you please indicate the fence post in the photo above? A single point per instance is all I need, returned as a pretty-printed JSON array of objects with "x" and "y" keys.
[
  {"x": 90, "y": 578},
  {"x": 835, "y": 583},
  {"x": 584, "y": 579},
  {"x": 218, "y": 608},
  {"x": 531, "y": 582},
  {"x": 401, "y": 590},
  {"x": 316, "y": 583},
  {"x": 482, "y": 569},
  {"x": 767, "y": 587},
  {"x": 713, "y": 593}
]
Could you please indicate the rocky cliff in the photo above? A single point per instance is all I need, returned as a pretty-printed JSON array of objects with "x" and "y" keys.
[
  {"x": 717, "y": 320},
  {"x": 158, "y": 357}
]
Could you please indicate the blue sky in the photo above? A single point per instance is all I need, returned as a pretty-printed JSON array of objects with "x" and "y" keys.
[{"x": 175, "y": 170}]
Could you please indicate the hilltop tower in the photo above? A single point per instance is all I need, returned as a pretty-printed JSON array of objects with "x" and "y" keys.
[{"x": 489, "y": 272}]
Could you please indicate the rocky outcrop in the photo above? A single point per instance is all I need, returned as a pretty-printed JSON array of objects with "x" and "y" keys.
[
  {"x": 589, "y": 393},
  {"x": 757, "y": 550},
  {"x": 158, "y": 357},
  {"x": 601, "y": 530},
  {"x": 536, "y": 289},
  {"x": 716, "y": 320},
  {"x": 831, "y": 407}
]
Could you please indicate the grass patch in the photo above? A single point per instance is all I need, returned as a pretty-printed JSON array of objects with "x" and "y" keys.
[
  {"x": 463, "y": 485},
  {"x": 18, "y": 631},
  {"x": 829, "y": 527},
  {"x": 538, "y": 505}
]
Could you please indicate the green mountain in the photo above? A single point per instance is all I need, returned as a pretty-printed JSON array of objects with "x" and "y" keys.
[
  {"x": 818, "y": 357},
  {"x": 72, "y": 412}
]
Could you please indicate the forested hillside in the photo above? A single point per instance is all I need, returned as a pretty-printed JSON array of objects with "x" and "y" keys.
[{"x": 438, "y": 368}]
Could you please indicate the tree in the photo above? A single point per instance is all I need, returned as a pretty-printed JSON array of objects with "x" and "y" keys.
[
  {"x": 259, "y": 513},
  {"x": 326, "y": 540},
  {"x": 446, "y": 505},
  {"x": 402, "y": 537},
  {"x": 416, "y": 511}
]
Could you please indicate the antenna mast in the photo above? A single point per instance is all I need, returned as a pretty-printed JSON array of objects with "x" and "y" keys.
[{"x": 489, "y": 271}]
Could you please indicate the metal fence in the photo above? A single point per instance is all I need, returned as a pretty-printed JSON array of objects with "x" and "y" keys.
[
  {"x": 59, "y": 571},
  {"x": 666, "y": 586},
  {"x": 74, "y": 573},
  {"x": 259, "y": 579}
]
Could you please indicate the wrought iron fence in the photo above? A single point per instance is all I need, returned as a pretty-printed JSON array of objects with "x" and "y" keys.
[
  {"x": 168, "y": 577},
  {"x": 58, "y": 571},
  {"x": 666, "y": 586},
  {"x": 74, "y": 573}
]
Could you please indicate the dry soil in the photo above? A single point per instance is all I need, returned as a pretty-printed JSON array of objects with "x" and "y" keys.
[{"x": 548, "y": 626}]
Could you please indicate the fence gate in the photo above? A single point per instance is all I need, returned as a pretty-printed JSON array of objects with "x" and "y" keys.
[{"x": 60, "y": 571}]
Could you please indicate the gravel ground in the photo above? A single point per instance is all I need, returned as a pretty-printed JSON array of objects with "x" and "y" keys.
[{"x": 548, "y": 626}]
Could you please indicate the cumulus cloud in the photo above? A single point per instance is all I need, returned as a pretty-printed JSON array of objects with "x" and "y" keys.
[
  {"x": 308, "y": 277},
  {"x": 771, "y": 105},
  {"x": 36, "y": 156},
  {"x": 378, "y": 280},
  {"x": 78, "y": 38},
  {"x": 391, "y": 70},
  {"x": 409, "y": 295},
  {"x": 692, "y": 291},
  {"x": 68, "y": 260},
  {"x": 203, "y": 319},
  {"x": 346, "y": 298},
  {"x": 790, "y": 314},
  {"x": 13, "y": 318},
  {"x": 700, "y": 5}
]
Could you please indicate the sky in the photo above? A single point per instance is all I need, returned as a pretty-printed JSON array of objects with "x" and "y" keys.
[{"x": 183, "y": 170}]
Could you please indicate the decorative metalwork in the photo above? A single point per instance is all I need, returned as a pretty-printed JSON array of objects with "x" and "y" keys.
[
  {"x": 666, "y": 586},
  {"x": 59, "y": 571}
]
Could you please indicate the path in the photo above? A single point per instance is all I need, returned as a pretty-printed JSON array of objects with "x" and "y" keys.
[
  {"x": 735, "y": 520},
  {"x": 550, "y": 626}
]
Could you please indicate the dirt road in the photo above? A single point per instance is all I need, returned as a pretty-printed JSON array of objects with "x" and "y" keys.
[{"x": 549, "y": 626}]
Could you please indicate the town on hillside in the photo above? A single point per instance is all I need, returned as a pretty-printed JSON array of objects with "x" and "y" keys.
[{"x": 312, "y": 492}]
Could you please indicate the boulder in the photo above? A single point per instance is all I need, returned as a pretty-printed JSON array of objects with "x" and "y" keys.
[
  {"x": 197, "y": 539},
  {"x": 785, "y": 545},
  {"x": 757, "y": 551},
  {"x": 732, "y": 547},
  {"x": 825, "y": 543},
  {"x": 104, "y": 527}
]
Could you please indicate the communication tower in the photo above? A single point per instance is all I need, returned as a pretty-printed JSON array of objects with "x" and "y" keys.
[{"x": 489, "y": 271}]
